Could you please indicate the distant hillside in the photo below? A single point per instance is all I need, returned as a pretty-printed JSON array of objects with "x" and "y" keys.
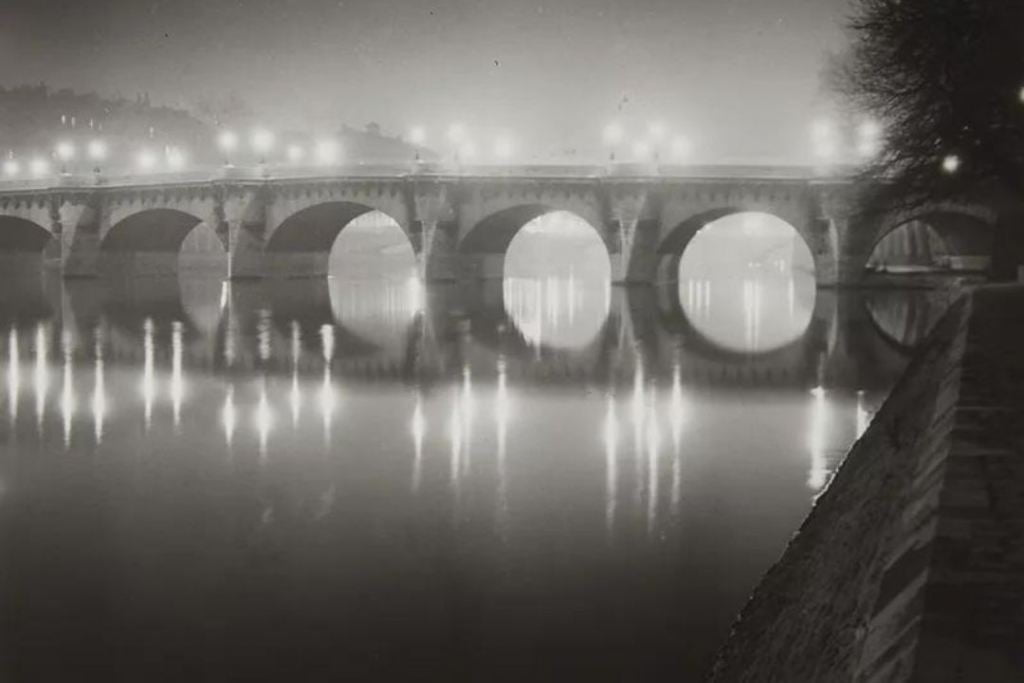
[{"x": 34, "y": 119}]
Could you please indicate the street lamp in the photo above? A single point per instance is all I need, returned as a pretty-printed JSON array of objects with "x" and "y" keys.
[
  {"x": 11, "y": 167},
  {"x": 612, "y": 136},
  {"x": 641, "y": 151},
  {"x": 681, "y": 148},
  {"x": 295, "y": 153},
  {"x": 145, "y": 160},
  {"x": 227, "y": 140},
  {"x": 417, "y": 135},
  {"x": 657, "y": 131},
  {"x": 38, "y": 167},
  {"x": 262, "y": 142},
  {"x": 175, "y": 158},
  {"x": 824, "y": 138},
  {"x": 65, "y": 152},
  {"x": 327, "y": 152},
  {"x": 868, "y": 135},
  {"x": 97, "y": 150},
  {"x": 950, "y": 164}
]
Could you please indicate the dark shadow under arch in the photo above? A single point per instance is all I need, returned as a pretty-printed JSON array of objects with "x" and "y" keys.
[
  {"x": 315, "y": 228},
  {"x": 964, "y": 234},
  {"x": 495, "y": 233},
  {"x": 150, "y": 230},
  {"x": 18, "y": 235}
]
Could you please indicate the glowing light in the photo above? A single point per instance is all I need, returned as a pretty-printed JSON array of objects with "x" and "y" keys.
[
  {"x": 263, "y": 331},
  {"x": 823, "y": 135},
  {"x": 417, "y": 135},
  {"x": 611, "y": 442},
  {"x": 264, "y": 419},
  {"x": 951, "y": 164},
  {"x": 99, "y": 399},
  {"x": 97, "y": 150},
  {"x": 11, "y": 167},
  {"x": 468, "y": 411},
  {"x": 414, "y": 293},
  {"x": 502, "y": 413},
  {"x": 227, "y": 140},
  {"x": 295, "y": 398},
  {"x": 65, "y": 151},
  {"x": 327, "y": 341},
  {"x": 641, "y": 151},
  {"x": 38, "y": 168},
  {"x": 175, "y": 158},
  {"x": 419, "y": 429},
  {"x": 863, "y": 418},
  {"x": 817, "y": 477},
  {"x": 613, "y": 133},
  {"x": 327, "y": 398},
  {"x": 868, "y": 138},
  {"x": 295, "y": 153},
  {"x": 145, "y": 160},
  {"x": 67, "y": 395},
  {"x": 677, "y": 419},
  {"x": 13, "y": 374},
  {"x": 40, "y": 374},
  {"x": 503, "y": 148},
  {"x": 148, "y": 373},
  {"x": 681, "y": 148},
  {"x": 229, "y": 415},
  {"x": 177, "y": 382},
  {"x": 327, "y": 151},
  {"x": 653, "y": 470},
  {"x": 657, "y": 131},
  {"x": 1020, "y": 95},
  {"x": 262, "y": 140}
]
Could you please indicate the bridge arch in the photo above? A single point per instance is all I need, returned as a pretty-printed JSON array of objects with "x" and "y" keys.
[
  {"x": 967, "y": 233},
  {"x": 486, "y": 244},
  {"x": 299, "y": 245},
  {"x": 155, "y": 230},
  {"x": 677, "y": 238},
  {"x": 20, "y": 236}
]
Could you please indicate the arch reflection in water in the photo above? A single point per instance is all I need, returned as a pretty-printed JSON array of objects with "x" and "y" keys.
[
  {"x": 561, "y": 313},
  {"x": 905, "y": 317},
  {"x": 557, "y": 280},
  {"x": 746, "y": 282}
]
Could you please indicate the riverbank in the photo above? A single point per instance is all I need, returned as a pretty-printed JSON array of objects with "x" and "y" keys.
[{"x": 910, "y": 567}]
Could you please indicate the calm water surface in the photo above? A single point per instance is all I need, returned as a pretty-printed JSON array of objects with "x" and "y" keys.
[{"x": 340, "y": 480}]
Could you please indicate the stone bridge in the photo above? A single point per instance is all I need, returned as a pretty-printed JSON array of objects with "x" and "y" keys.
[{"x": 459, "y": 225}]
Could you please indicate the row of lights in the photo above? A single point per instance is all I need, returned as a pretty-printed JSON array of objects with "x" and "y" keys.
[
  {"x": 462, "y": 144},
  {"x": 262, "y": 141},
  {"x": 824, "y": 134},
  {"x": 649, "y": 147},
  {"x": 96, "y": 151}
]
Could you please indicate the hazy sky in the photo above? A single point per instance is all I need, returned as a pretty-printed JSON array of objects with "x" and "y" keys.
[{"x": 739, "y": 77}]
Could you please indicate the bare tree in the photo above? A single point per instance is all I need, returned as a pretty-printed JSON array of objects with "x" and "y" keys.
[{"x": 945, "y": 79}]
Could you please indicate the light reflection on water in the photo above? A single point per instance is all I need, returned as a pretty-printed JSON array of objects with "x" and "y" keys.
[{"x": 457, "y": 466}]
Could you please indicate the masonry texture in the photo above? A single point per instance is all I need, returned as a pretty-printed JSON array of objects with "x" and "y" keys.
[{"x": 911, "y": 566}]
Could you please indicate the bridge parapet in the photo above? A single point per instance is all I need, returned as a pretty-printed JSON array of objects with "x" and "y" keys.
[{"x": 459, "y": 221}]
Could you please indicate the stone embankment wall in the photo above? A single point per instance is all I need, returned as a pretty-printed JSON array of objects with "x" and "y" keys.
[{"x": 910, "y": 567}]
